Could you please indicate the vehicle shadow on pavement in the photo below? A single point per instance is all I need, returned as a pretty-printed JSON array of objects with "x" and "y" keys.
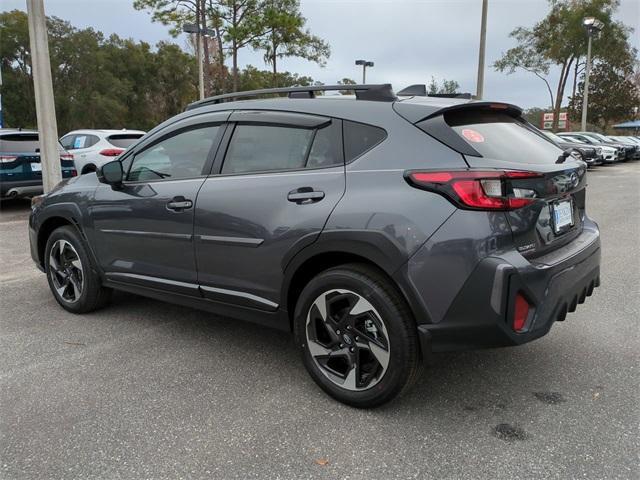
[{"x": 477, "y": 383}]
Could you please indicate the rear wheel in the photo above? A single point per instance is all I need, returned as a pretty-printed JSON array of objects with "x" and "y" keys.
[
  {"x": 358, "y": 338},
  {"x": 72, "y": 279}
]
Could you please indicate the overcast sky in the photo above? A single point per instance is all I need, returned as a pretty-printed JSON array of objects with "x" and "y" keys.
[{"x": 409, "y": 40}]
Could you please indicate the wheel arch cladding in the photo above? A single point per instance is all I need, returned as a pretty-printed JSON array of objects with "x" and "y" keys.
[
  {"x": 50, "y": 220},
  {"x": 337, "y": 250}
]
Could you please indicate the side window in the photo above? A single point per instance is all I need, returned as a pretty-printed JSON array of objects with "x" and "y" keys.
[
  {"x": 67, "y": 142},
  {"x": 75, "y": 142},
  {"x": 255, "y": 148},
  {"x": 358, "y": 138},
  {"x": 182, "y": 155}
]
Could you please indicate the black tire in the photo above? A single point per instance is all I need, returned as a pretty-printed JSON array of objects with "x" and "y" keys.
[
  {"x": 404, "y": 363},
  {"x": 92, "y": 294}
]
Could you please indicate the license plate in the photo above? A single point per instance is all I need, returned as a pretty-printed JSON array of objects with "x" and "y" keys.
[
  {"x": 36, "y": 167},
  {"x": 562, "y": 215}
]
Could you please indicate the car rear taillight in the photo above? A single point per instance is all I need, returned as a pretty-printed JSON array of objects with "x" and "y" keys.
[
  {"x": 111, "y": 152},
  {"x": 66, "y": 156},
  {"x": 7, "y": 159},
  {"x": 520, "y": 313},
  {"x": 476, "y": 190}
]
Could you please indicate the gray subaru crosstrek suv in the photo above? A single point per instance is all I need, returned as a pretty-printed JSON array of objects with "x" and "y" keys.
[{"x": 376, "y": 227}]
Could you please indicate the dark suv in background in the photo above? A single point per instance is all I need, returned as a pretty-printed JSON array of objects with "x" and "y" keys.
[
  {"x": 20, "y": 169},
  {"x": 377, "y": 227}
]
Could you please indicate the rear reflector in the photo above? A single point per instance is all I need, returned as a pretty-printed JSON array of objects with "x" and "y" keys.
[
  {"x": 474, "y": 189},
  {"x": 111, "y": 152},
  {"x": 520, "y": 313}
]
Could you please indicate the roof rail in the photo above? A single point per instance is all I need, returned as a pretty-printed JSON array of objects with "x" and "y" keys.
[
  {"x": 374, "y": 92},
  {"x": 420, "y": 90}
]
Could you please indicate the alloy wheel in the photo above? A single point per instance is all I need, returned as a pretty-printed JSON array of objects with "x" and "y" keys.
[
  {"x": 65, "y": 270},
  {"x": 347, "y": 339}
]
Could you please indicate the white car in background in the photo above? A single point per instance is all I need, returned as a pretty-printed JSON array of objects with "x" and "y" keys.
[{"x": 93, "y": 148}]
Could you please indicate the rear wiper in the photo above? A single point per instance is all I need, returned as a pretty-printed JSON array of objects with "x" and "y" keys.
[{"x": 563, "y": 156}]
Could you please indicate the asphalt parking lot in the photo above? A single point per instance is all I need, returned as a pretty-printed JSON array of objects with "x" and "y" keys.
[{"x": 149, "y": 390}]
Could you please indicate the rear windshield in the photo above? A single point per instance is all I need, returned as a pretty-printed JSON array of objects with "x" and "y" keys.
[
  {"x": 124, "y": 140},
  {"x": 21, "y": 143},
  {"x": 499, "y": 136}
]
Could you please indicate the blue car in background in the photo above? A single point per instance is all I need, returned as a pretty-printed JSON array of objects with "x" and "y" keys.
[{"x": 20, "y": 168}]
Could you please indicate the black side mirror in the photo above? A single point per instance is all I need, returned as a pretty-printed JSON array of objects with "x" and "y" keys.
[{"x": 111, "y": 173}]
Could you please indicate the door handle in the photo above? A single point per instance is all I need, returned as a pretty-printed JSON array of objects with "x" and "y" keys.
[
  {"x": 305, "y": 195},
  {"x": 178, "y": 204}
]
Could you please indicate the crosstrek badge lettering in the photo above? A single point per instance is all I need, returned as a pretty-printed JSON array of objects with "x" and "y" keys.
[{"x": 472, "y": 135}]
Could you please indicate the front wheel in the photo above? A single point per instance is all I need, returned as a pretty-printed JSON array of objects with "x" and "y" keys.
[
  {"x": 358, "y": 337},
  {"x": 72, "y": 279}
]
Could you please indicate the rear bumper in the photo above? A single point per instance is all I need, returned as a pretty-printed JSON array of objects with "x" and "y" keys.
[{"x": 480, "y": 316}]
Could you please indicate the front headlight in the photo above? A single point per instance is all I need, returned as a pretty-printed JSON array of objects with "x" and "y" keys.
[{"x": 599, "y": 150}]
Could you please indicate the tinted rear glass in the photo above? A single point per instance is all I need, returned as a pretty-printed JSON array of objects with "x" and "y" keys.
[
  {"x": 124, "y": 140},
  {"x": 499, "y": 136},
  {"x": 22, "y": 143},
  {"x": 358, "y": 138},
  {"x": 19, "y": 143}
]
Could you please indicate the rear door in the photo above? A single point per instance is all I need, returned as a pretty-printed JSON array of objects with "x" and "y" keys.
[
  {"x": 271, "y": 194},
  {"x": 503, "y": 140}
]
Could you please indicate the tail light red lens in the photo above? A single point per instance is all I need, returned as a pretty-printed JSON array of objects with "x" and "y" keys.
[
  {"x": 474, "y": 189},
  {"x": 520, "y": 313},
  {"x": 74, "y": 173},
  {"x": 111, "y": 152},
  {"x": 66, "y": 156}
]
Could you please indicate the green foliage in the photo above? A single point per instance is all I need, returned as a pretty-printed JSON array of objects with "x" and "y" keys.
[
  {"x": 273, "y": 26},
  {"x": 347, "y": 81},
  {"x": 559, "y": 40},
  {"x": 103, "y": 82},
  {"x": 98, "y": 82},
  {"x": 251, "y": 78},
  {"x": 286, "y": 37},
  {"x": 447, "y": 86},
  {"x": 612, "y": 95}
]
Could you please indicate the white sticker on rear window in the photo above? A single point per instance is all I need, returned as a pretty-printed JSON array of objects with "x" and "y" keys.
[{"x": 80, "y": 141}]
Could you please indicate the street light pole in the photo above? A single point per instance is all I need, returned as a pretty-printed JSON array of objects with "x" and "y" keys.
[
  {"x": 365, "y": 64},
  {"x": 483, "y": 41},
  {"x": 593, "y": 26},
  {"x": 200, "y": 66},
  {"x": 43, "y": 87},
  {"x": 585, "y": 93}
]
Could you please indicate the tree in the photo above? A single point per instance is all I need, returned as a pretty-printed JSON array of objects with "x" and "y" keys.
[
  {"x": 177, "y": 13},
  {"x": 347, "y": 81},
  {"x": 98, "y": 82},
  {"x": 250, "y": 78},
  {"x": 286, "y": 37},
  {"x": 447, "y": 86},
  {"x": 559, "y": 41},
  {"x": 612, "y": 95}
]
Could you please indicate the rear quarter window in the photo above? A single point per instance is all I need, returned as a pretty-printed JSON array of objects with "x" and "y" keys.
[
  {"x": 500, "y": 136},
  {"x": 359, "y": 138}
]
